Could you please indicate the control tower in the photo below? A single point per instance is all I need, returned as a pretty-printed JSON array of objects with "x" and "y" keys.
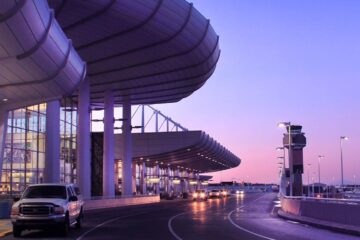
[{"x": 297, "y": 141}]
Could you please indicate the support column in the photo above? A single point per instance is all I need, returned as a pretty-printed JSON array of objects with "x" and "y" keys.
[
  {"x": 167, "y": 181},
  {"x": 127, "y": 157},
  {"x": 83, "y": 161},
  {"x": 52, "y": 143},
  {"x": 108, "y": 155},
  {"x": 134, "y": 177},
  {"x": 157, "y": 173},
  {"x": 198, "y": 181},
  {"x": 3, "y": 130},
  {"x": 143, "y": 178}
]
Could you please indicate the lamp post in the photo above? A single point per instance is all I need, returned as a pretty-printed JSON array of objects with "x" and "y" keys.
[
  {"x": 288, "y": 125},
  {"x": 354, "y": 181},
  {"x": 319, "y": 158},
  {"x": 308, "y": 175},
  {"x": 341, "y": 158}
]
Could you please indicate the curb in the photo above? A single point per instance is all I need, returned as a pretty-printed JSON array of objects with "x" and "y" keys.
[
  {"x": 5, "y": 233},
  {"x": 348, "y": 229}
]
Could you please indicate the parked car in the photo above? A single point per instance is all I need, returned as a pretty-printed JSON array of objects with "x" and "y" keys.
[
  {"x": 200, "y": 195},
  {"x": 44, "y": 205},
  {"x": 215, "y": 193}
]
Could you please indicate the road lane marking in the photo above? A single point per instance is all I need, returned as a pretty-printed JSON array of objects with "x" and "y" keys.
[
  {"x": 107, "y": 222},
  {"x": 183, "y": 213},
  {"x": 244, "y": 229},
  {"x": 170, "y": 227},
  {"x": 118, "y": 218}
]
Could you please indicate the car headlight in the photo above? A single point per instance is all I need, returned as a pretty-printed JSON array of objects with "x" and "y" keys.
[
  {"x": 195, "y": 195},
  {"x": 15, "y": 211},
  {"x": 202, "y": 195}
]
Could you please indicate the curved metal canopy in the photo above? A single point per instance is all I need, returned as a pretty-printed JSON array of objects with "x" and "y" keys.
[
  {"x": 193, "y": 150},
  {"x": 145, "y": 51},
  {"x": 37, "y": 61}
]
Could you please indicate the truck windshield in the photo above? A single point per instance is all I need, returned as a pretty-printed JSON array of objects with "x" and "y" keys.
[{"x": 45, "y": 192}]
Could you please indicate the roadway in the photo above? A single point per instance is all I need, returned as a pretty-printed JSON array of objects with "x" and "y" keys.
[{"x": 248, "y": 217}]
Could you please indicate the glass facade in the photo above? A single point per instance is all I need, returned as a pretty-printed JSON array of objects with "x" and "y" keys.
[
  {"x": 68, "y": 119},
  {"x": 24, "y": 153}
]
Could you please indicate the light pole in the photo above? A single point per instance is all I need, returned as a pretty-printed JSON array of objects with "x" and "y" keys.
[
  {"x": 319, "y": 158},
  {"x": 288, "y": 125},
  {"x": 308, "y": 175},
  {"x": 341, "y": 157},
  {"x": 354, "y": 181}
]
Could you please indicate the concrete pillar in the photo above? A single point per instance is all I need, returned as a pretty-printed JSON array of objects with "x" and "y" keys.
[
  {"x": 83, "y": 161},
  {"x": 127, "y": 158},
  {"x": 168, "y": 181},
  {"x": 134, "y": 164},
  {"x": 157, "y": 174},
  {"x": 198, "y": 181},
  {"x": 143, "y": 178},
  {"x": 3, "y": 130},
  {"x": 108, "y": 153},
  {"x": 52, "y": 143}
]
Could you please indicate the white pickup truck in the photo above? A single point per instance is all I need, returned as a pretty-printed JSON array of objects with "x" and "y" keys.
[{"x": 45, "y": 205}]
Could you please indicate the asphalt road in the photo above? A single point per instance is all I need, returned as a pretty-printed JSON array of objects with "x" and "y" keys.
[{"x": 247, "y": 217}]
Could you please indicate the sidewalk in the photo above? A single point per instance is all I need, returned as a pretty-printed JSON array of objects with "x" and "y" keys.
[
  {"x": 320, "y": 223},
  {"x": 5, "y": 227}
]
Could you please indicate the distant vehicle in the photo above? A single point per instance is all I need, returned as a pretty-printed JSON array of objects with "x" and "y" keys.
[
  {"x": 240, "y": 192},
  {"x": 215, "y": 193},
  {"x": 44, "y": 205},
  {"x": 225, "y": 193},
  {"x": 200, "y": 195}
]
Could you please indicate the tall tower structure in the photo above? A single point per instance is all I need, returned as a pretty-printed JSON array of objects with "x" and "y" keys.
[{"x": 294, "y": 140}]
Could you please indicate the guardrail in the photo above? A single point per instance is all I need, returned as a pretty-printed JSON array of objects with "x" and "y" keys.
[{"x": 342, "y": 211}]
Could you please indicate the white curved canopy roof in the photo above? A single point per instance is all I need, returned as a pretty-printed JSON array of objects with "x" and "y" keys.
[
  {"x": 147, "y": 51},
  {"x": 37, "y": 61}
]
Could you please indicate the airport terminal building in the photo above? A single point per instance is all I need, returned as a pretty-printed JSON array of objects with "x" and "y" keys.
[{"x": 62, "y": 60}]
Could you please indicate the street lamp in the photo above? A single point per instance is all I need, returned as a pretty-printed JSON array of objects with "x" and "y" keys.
[
  {"x": 309, "y": 165},
  {"x": 319, "y": 158},
  {"x": 288, "y": 125},
  {"x": 341, "y": 158}
]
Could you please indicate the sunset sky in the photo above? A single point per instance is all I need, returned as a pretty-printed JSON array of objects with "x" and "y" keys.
[{"x": 295, "y": 61}]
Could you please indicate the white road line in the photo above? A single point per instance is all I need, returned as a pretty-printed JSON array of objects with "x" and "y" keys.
[
  {"x": 107, "y": 222},
  {"x": 170, "y": 227},
  {"x": 244, "y": 229},
  {"x": 173, "y": 217}
]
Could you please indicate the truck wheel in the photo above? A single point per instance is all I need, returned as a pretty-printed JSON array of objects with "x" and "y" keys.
[
  {"x": 79, "y": 220},
  {"x": 64, "y": 228},
  {"x": 17, "y": 231}
]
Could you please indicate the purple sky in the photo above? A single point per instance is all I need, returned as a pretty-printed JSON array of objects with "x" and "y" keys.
[{"x": 285, "y": 60}]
